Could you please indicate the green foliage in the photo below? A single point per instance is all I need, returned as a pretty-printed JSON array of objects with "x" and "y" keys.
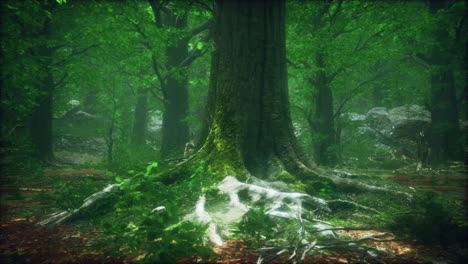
[
  {"x": 131, "y": 157},
  {"x": 257, "y": 226},
  {"x": 150, "y": 167},
  {"x": 70, "y": 195},
  {"x": 320, "y": 187},
  {"x": 18, "y": 167},
  {"x": 433, "y": 220},
  {"x": 148, "y": 218}
]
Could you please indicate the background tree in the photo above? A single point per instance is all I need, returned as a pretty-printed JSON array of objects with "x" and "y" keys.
[
  {"x": 445, "y": 134},
  {"x": 35, "y": 66},
  {"x": 171, "y": 71},
  {"x": 337, "y": 30}
]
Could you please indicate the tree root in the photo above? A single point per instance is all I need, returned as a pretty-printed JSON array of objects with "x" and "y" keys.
[
  {"x": 352, "y": 185},
  {"x": 61, "y": 217},
  {"x": 282, "y": 204}
]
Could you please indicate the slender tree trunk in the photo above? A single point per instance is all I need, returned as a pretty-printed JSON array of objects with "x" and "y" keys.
[
  {"x": 249, "y": 128},
  {"x": 41, "y": 117},
  {"x": 175, "y": 131},
  {"x": 445, "y": 134},
  {"x": 90, "y": 101},
  {"x": 41, "y": 123},
  {"x": 325, "y": 146},
  {"x": 140, "y": 118}
]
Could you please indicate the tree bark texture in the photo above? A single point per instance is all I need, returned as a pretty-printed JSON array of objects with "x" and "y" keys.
[
  {"x": 41, "y": 116},
  {"x": 41, "y": 122},
  {"x": 175, "y": 131},
  {"x": 249, "y": 128},
  {"x": 445, "y": 135},
  {"x": 325, "y": 151}
]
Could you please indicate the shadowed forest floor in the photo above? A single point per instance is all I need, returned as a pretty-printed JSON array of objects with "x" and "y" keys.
[{"x": 21, "y": 241}]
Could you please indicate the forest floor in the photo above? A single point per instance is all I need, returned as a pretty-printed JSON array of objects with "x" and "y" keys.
[{"x": 21, "y": 241}]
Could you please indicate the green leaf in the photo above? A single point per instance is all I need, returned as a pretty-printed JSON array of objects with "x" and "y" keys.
[
  {"x": 118, "y": 179},
  {"x": 150, "y": 167},
  {"x": 200, "y": 45}
]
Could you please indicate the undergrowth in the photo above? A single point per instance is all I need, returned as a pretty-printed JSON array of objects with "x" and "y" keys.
[{"x": 147, "y": 219}]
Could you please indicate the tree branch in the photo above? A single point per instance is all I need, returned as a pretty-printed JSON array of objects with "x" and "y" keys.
[
  {"x": 337, "y": 10},
  {"x": 351, "y": 94},
  {"x": 421, "y": 60},
  {"x": 339, "y": 70},
  {"x": 157, "y": 96},
  {"x": 360, "y": 46},
  {"x": 305, "y": 65},
  {"x": 201, "y": 28},
  {"x": 205, "y": 6},
  {"x": 62, "y": 81},
  {"x": 159, "y": 75},
  {"x": 74, "y": 53}
]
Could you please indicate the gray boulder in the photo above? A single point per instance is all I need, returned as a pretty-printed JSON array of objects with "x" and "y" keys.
[{"x": 400, "y": 125}]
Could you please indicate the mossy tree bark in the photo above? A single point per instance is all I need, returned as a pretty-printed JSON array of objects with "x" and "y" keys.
[{"x": 248, "y": 127}]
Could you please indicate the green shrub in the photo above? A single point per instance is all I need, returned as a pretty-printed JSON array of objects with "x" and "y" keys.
[
  {"x": 70, "y": 195},
  {"x": 256, "y": 225},
  {"x": 433, "y": 221},
  {"x": 131, "y": 157},
  {"x": 18, "y": 165},
  {"x": 148, "y": 219}
]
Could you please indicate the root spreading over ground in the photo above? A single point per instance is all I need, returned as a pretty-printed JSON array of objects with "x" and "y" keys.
[{"x": 294, "y": 210}]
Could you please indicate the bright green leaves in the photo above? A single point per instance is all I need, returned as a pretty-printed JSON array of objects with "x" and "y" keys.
[
  {"x": 150, "y": 168},
  {"x": 148, "y": 217},
  {"x": 200, "y": 45},
  {"x": 118, "y": 179},
  {"x": 255, "y": 224}
]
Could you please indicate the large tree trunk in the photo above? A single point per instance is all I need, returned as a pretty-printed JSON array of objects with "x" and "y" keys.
[
  {"x": 325, "y": 151},
  {"x": 249, "y": 129},
  {"x": 140, "y": 118},
  {"x": 249, "y": 124},
  {"x": 445, "y": 134}
]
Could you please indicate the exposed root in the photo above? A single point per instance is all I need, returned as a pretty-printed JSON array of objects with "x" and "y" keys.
[
  {"x": 282, "y": 204},
  {"x": 352, "y": 185},
  {"x": 353, "y": 204},
  {"x": 204, "y": 217},
  {"x": 61, "y": 217}
]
